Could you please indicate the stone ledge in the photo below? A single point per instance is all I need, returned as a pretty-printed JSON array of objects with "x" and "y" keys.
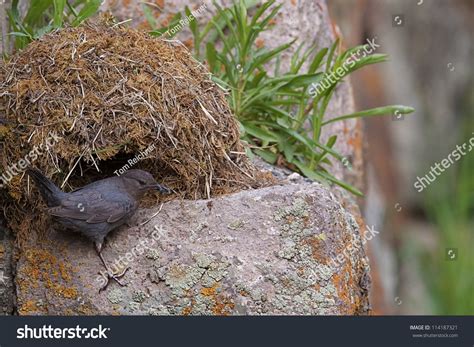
[{"x": 265, "y": 251}]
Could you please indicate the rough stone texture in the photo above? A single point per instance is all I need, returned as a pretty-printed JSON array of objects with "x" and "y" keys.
[{"x": 267, "y": 251}]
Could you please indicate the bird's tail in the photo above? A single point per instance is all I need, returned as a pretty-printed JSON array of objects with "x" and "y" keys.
[{"x": 49, "y": 191}]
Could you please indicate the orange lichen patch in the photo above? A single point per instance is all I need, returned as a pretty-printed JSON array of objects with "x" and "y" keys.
[
  {"x": 259, "y": 43},
  {"x": 293, "y": 2},
  {"x": 126, "y": 3},
  {"x": 318, "y": 249},
  {"x": 187, "y": 311},
  {"x": 223, "y": 306},
  {"x": 345, "y": 283},
  {"x": 66, "y": 276},
  {"x": 65, "y": 292},
  {"x": 29, "y": 307},
  {"x": 160, "y": 3},
  {"x": 209, "y": 291},
  {"x": 41, "y": 267},
  {"x": 272, "y": 21}
]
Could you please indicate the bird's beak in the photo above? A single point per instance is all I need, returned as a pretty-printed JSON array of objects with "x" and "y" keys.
[{"x": 161, "y": 189}]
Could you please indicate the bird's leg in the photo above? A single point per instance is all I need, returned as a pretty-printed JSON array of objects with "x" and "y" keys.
[{"x": 110, "y": 274}]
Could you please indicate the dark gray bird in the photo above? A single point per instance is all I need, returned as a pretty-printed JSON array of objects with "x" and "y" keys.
[{"x": 97, "y": 208}]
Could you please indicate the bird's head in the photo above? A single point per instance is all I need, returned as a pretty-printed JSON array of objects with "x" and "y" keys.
[{"x": 138, "y": 182}]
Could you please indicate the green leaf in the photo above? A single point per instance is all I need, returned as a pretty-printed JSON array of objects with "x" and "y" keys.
[
  {"x": 331, "y": 54},
  {"x": 330, "y": 144},
  {"x": 149, "y": 16},
  {"x": 19, "y": 33},
  {"x": 90, "y": 8},
  {"x": 340, "y": 183},
  {"x": 304, "y": 80},
  {"x": 370, "y": 59},
  {"x": 259, "y": 132},
  {"x": 192, "y": 23},
  {"x": 58, "y": 13},
  {"x": 393, "y": 109},
  {"x": 35, "y": 12},
  {"x": 211, "y": 56},
  {"x": 317, "y": 60},
  {"x": 265, "y": 56},
  {"x": 266, "y": 155}
]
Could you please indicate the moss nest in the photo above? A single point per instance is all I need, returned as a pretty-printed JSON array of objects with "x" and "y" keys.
[{"x": 92, "y": 98}]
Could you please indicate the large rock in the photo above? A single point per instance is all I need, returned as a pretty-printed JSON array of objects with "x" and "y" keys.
[{"x": 288, "y": 249}]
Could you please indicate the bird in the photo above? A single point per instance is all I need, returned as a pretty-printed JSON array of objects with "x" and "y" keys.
[{"x": 97, "y": 208}]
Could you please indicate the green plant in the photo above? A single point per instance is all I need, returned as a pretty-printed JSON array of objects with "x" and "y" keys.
[
  {"x": 279, "y": 118},
  {"x": 42, "y": 16}
]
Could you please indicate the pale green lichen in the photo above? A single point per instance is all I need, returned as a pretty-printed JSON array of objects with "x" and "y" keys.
[
  {"x": 183, "y": 277},
  {"x": 158, "y": 311},
  {"x": 115, "y": 296},
  {"x": 138, "y": 296},
  {"x": 215, "y": 273},
  {"x": 299, "y": 208},
  {"x": 300, "y": 286},
  {"x": 203, "y": 260},
  {"x": 134, "y": 306},
  {"x": 237, "y": 224},
  {"x": 152, "y": 254}
]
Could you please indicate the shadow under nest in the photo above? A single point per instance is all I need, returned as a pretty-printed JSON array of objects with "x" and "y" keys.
[{"x": 105, "y": 95}]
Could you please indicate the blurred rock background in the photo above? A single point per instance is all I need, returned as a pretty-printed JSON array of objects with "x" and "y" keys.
[{"x": 430, "y": 44}]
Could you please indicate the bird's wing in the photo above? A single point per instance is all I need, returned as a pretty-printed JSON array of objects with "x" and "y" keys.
[{"x": 92, "y": 207}]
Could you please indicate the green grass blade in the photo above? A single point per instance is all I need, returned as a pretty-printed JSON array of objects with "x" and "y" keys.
[
  {"x": 90, "y": 8},
  {"x": 379, "y": 111},
  {"x": 58, "y": 13}
]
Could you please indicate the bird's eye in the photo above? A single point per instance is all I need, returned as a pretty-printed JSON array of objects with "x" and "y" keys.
[{"x": 141, "y": 182}]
